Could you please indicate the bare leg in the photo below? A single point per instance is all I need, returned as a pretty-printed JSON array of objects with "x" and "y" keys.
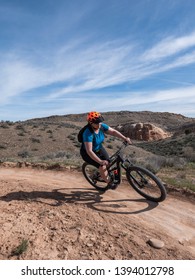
[{"x": 104, "y": 173}]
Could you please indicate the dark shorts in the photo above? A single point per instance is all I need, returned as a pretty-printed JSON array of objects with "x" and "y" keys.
[{"x": 102, "y": 154}]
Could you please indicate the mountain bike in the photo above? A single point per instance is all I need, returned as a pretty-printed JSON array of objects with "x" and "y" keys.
[{"x": 141, "y": 179}]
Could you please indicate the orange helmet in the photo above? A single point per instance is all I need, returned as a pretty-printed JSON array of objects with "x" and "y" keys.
[{"x": 94, "y": 117}]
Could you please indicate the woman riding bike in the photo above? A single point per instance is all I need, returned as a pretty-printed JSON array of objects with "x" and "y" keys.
[{"x": 92, "y": 150}]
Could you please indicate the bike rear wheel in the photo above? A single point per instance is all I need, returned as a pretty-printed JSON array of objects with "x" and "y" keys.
[
  {"x": 146, "y": 183},
  {"x": 92, "y": 175}
]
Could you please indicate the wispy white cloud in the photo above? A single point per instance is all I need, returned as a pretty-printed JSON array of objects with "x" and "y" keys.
[
  {"x": 176, "y": 95},
  {"x": 169, "y": 46},
  {"x": 19, "y": 76},
  {"x": 181, "y": 61},
  {"x": 110, "y": 65},
  {"x": 79, "y": 69}
]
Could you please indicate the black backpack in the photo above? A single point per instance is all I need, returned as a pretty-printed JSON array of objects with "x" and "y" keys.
[{"x": 80, "y": 134}]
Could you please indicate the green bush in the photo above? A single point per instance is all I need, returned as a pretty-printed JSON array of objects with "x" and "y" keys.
[{"x": 22, "y": 247}]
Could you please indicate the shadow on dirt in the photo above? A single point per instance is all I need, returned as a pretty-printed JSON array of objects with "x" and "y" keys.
[{"x": 89, "y": 197}]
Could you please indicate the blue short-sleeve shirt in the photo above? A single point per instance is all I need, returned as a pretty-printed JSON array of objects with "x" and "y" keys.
[{"x": 96, "y": 138}]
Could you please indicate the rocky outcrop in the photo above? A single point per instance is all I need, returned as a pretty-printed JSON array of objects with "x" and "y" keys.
[{"x": 143, "y": 131}]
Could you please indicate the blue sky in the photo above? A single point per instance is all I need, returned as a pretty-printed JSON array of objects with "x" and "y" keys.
[{"x": 61, "y": 57}]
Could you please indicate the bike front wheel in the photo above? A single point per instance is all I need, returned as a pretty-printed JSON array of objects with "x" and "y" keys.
[
  {"x": 146, "y": 183},
  {"x": 92, "y": 175}
]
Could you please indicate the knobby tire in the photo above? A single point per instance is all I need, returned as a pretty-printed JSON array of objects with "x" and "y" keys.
[
  {"x": 89, "y": 172},
  {"x": 146, "y": 183}
]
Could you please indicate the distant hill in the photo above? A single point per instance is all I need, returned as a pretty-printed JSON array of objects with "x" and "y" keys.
[
  {"x": 168, "y": 121},
  {"x": 54, "y": 138}
]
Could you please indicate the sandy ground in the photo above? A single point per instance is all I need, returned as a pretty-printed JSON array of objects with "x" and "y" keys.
[{"x": 63, "y": 217}]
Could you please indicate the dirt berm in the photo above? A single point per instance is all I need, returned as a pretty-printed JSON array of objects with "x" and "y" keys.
[{"x": 62, "y": 217}]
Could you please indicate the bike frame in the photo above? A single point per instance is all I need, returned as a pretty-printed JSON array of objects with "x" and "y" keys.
[{"x": 117, "y": 159}]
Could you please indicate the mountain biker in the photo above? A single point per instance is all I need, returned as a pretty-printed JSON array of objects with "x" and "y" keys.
[{"x": 92, "y": 150}]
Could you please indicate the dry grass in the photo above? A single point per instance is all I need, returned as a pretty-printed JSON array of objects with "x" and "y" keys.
[{"x": 182, "y": 177}]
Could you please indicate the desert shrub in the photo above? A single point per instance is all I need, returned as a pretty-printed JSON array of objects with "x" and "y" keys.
[
  {"x": 20, "y": 127},
  {"x": 35, "y": 149},
  {"x": 24, "y": 154},
  {"x": 71, "y": 137},
  {"x": 69, "y": 125},
  {"x": 189, "y": 153},
  {"x": 8, "y": 122},
  {"x": 48, "y": 156},
  {"x": 77, "y": 144},
  {"x": 110, "y": 139},
  {"x": 68, "y": 156},
  {"x": 74, "y": 133},
  {"x": 21, "y": 248},
  {"x": 60, "y": 154},
  {"x": 21, "y": 134},
  {"x": 155, "y": 163},
  {"x": 109, "y": 146},
  {"x": 4, "y": 125},
  {"x": 188, "y": 131},
  {"x": 3, "y": 147},
  {"x": 176, "y": 162},
  {"x": 152, "y": 163},
  {"x": 35, "y": 140}
]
